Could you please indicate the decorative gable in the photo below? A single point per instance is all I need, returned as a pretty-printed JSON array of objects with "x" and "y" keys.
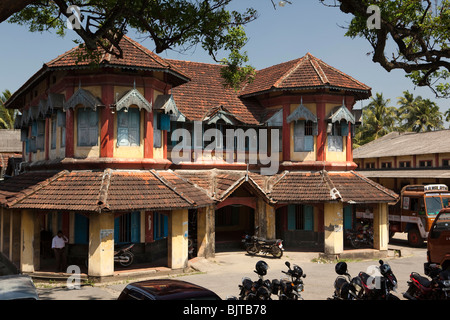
[
  {"x": 85, "y": 98},
  {"x": 166, "y": 104},
  {"x": 301, "y": 113},
  {"x": 134, "y": 97},
  {"x": 342, "y": 114}
]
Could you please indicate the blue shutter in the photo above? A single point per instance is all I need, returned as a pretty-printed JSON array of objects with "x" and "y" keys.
[
  {"x": 348, "y": 217},
  {"x": 291, "y": 217},
  {"x": 309, "y": 143},
  {"x": 308, "y": 215},
  {"x": 136, "y": 227},
  {"x": 81, "y": 229},
  {"x": 344, "y": 129},
  {"x": 164, "y": 122},
  {"x": 134, "y": 127}
]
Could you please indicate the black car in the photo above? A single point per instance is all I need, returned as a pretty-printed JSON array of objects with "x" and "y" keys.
[
  {"x": 13, "y": 285},
  {"x": 166, "y": 289}
]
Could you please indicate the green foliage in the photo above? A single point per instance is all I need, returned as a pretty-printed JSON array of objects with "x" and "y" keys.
[
  {"x": 7, "y": 116},
  {"x": 414, "y": 114},
  {"x": 413, "y": 36},
  {"x": 171, "y": 24}
]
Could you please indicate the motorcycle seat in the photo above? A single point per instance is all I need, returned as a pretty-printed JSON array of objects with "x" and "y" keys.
[{"x": 422, "y": 280}]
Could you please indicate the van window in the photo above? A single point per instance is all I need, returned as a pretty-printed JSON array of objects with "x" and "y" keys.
[{"x": 443, "y": 223}]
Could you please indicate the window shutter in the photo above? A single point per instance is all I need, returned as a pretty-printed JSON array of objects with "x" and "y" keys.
[
  {"x": 309, "y": 143},
  {"x": 299, "y": 135},
  {"x": 291, "y": 217},
  {"x": 308, "y": 214},
  {"x": 156, "y": 132},
  {"x": 344, "y": 129}
]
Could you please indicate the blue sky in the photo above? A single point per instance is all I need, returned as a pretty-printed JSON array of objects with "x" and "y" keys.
[{"x": 276, "y": 36}]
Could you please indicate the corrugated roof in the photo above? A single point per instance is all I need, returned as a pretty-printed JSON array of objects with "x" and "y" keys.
[{"x": 405, "y": 143}]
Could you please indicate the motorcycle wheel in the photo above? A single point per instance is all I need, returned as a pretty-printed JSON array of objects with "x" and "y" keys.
[
  {"x": 252, "y": 250},
  {"x": 355, "y": 243},
  {"x": 277, "y": 252},
  {"x": 128, "y": 259}
]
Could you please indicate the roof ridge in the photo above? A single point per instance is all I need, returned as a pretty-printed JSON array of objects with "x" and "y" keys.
[
  {"x": 297, "y": 64},
  {"x": 171, "y": 187},
  {"x": 146, "y": 51},
  {"x": 316, "y": 66},
  {"x": 341, "y": 72},
  {"x": 104, "y": 188}
]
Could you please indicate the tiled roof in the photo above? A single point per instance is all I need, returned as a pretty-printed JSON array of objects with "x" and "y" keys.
[
  {"x": 134, "y": 55},
  {"x": 22, "y": 185},
  {"x": 348, "y": 187},
  {"x": 305, "y": 72},
  {"x": 108, "y": 190},
  {"x": 206, "y": 92},
  {"x": 129, "y": 190}
]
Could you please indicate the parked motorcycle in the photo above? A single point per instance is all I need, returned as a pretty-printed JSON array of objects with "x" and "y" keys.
[
  {"x": 363, "y": 236},
  {"x": 289, "y": 289},
  {"x": 379, "y": 287},
  {"x": 122, "y": 254},
  {"x": 255, "y": 245},
  {"x": 255, "y": 290},
  {"x": 421, "y": 288},
  {"x": 344, "y": 289}
]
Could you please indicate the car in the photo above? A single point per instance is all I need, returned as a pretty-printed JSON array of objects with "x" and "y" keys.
[
  {"x": 166, "y": 289},
  {"x": 438, "y": 242},
  {"x": 13, "y": 284}
]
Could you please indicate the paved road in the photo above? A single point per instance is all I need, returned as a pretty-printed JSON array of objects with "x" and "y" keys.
[{"x": 223, "y": 274}]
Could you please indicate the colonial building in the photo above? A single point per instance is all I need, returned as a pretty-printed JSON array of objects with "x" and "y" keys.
[
  {"x": 399, "y": 159},
  {"x": 103, "y": 163},
  {"x": 10, "y": 151}
]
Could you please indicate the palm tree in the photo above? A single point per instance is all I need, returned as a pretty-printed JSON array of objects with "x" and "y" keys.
[
  {"x": 7, "y": 116},
  {"x": 418, "y": 114},
  {"x": 378, "y": 120}
]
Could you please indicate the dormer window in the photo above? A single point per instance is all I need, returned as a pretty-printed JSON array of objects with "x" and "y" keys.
[
  {"x": 305, "y": 128},
  {"x": 128, "y": 127}
]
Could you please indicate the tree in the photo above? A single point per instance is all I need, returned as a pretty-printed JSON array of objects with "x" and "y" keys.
[
  {"x": 417, "y": 29},
  {"x": 7, "y": 116},
  {"x": 418, "y": 114},
  {"x": 169, "y": 23},
  {"x": 378, "y": 120}
]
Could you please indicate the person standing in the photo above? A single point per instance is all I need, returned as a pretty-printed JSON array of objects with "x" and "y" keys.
[{"x": 59, "y": 247}]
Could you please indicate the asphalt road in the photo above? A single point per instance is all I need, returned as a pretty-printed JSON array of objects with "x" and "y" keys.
[{"x": 223, "y": 273}]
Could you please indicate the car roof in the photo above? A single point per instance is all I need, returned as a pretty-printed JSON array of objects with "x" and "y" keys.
[
  {"x": 168, "y": 289},
  {"x": 17, "y": 287}
]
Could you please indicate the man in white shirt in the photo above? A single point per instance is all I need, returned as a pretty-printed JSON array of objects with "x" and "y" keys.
[{"x": 58, "y": 245}]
